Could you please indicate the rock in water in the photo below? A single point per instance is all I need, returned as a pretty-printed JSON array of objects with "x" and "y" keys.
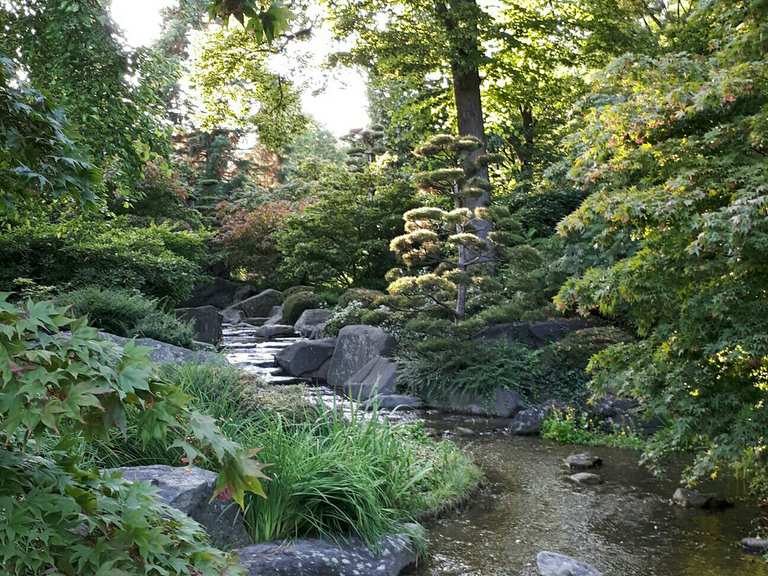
[
  {"x": 312, "y": 321},
  {"x": 528, "y": 422},
  {"x": 356, "y": 346},
  {"x": 321, "y": 558},
  {"x": 695, "y": 499},
  {"x": 585, "y": 479},
  {"x": 583, "y": 461},
  {"x": 261, "y": 304},
  {"x": 755, "y": 545},
  {"x": 503, "y": 403},
  {"x": 553, "y": 564},
  {"x": 190, "y": 489},
  {"x": 394, "y": 402},
  {"x": 306, "y": 358}
]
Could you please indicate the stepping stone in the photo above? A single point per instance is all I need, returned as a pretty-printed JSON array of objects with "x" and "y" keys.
[
  {"x": 554, "y": 564},
  {"x": 583, "y": 461},
  {"x": 585, "y": 479}
]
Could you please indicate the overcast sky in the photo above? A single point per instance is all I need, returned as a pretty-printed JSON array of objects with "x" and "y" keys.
[{"x": 340, "y": 107}]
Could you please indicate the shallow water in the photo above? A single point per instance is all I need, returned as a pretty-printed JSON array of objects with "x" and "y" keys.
[{"x": 625, "y": 527}]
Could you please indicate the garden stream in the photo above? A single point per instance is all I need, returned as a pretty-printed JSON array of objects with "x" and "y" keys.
[{"x": 624, "y": 527}]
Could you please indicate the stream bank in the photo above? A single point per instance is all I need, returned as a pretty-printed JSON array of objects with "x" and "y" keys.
[{"x": 624, "y": 527}]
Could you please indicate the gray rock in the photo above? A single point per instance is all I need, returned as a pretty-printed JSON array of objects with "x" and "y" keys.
[
  {"x": 534, "y": 334},
  {"x": 206, "y": 321},
  {"x": 585, "y": 479},
  {"x": 164, "y": 353},
  {"x": 306, "y": 358},
  {"x": 275, "y": 316},
  {"x": 320, "y": 558},
  {"x": 503, "y": 403},
  {"x": 311, "y": 320},
  {"x": 583, "y": 461},
  {"x": 394, "y": 402},
  {"x": 695, "y": 499},
  {"x": 755, "y": 545},
  {"x": 377, "y": 377},
  {"x": 527, "y": 422},
  {"x": 274, "y": 331},
  {"x": 232, "y": 315},
  {"x": 220, "y": 293},
  {"x": 612, "y": 407},
  {"x": 261, "y": 304},
  {"x": 256, "y": 320},
  {"x": 356, "y": 346},
  {"x": 554, "y": 564},
  {"x": 190, "y": 489}
]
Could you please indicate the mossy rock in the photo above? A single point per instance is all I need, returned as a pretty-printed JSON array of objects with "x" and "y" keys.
[
  {"x": 297, "y": 289},
  {"x": 295, "y": 304},
  {"x": 367, "y": 297}
]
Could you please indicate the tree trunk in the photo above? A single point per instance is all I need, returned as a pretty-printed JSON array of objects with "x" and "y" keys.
[{"x": 465, "y": 59}]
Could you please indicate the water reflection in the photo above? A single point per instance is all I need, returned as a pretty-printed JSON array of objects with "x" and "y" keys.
[{"x": 625, "y": 527}]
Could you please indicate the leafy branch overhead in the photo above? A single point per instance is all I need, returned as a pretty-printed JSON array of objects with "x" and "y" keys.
[{"x": 264, "y": 23}]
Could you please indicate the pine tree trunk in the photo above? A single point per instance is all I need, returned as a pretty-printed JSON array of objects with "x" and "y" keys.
[{"x": 461, "y": 296}]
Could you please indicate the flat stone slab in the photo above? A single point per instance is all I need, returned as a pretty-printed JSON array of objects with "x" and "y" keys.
[
  {"x": 314, "y": 557},
  {"x": 189, "y": 489},
  {"x": 583, "y": 461},
  {"x": 394, "y": 402},
  {"x": 554, "y": 564},
  {"x": 585, "y": 479}
]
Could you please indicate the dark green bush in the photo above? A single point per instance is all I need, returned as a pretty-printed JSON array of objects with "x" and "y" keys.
[
  {"x": 295, "y": 304},
  {"x": 157, "y": 261},
  {"x": 128, "y": 313}
]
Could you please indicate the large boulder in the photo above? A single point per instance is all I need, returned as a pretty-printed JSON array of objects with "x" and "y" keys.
[
  {"x": 376, "y": 377},
  {"x": 306, "y": 358},
  {"x": 534, "y": 334},
  {"x": 275, "y": 316},
  {"x": 321, "y": 558},
  {"x": 190, "y": 490},
  {"x": 206, "y": 321},
  {"x": 356, "y": 346},
  {"x": 553, "y": 564},
  {"x": 527, "y": 422},
  {"x": 502, "y": 404},
  {"x": 220, "y": 293},
  {"x": 261, "y": 304},
  {"x": 164, "y": 353},
  {"x": 695, "y": 499},
  {"x": 312, "y": 321}
]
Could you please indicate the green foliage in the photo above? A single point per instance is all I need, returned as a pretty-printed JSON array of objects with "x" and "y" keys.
[
  {"x": 264, "y": 24},
  {"x": 60, "y": 382},
  {"x": 342, "y": 316},
  {"x": 166, "y": 327},
  {"x": 59, "y": 519},
  {"x": 444, "y": 249},
  {"x": 242, "y": 92},
  {"x": 364, "y": 478},
  {"x": 674, "y": 233},
  {"x": 296, "y": 303},
  {"x": 363, "y": 295},
  {"x": 38, "y": 161},
  {"x": 574, "y": 427},
  {"x": 328, "y": 476},
  {"x": 341, "y": 239},
  {"x": 159, "y": 261},
  {"x": 113, "y": 310},
  {"x": 115, "y": 98}
]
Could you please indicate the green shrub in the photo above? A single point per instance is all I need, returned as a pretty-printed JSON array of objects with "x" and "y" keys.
[
  {"x": 367, "y": 298},
  {"x": 128, "y": 313},
  {"x": 157, "y": 261},
  {"x": 166, "y": 327},
  {"x": 328, "y": 476},
  {"x": 573, "y": 427},
  {"x": 62, "y": 384},
  {"x": 347, "y": 315},
  {"x": 295, "y": 304}
]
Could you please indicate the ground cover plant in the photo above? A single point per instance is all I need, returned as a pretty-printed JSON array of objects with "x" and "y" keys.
[
  {"x": 329, "y": 476},
  {"x": 58, "y": 383}
]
